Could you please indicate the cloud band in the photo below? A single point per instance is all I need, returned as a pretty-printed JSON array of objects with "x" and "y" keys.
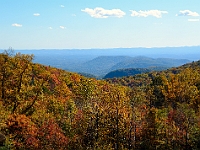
[
  {"x": 99, "y": 12},
  {"x": 154, "y": 13},
  {"x": 16, "y": 25},
  {"x": 187, "y": 13}
]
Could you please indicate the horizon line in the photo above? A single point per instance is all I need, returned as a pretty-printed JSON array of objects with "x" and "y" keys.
[{"x": 101, "y": 48}]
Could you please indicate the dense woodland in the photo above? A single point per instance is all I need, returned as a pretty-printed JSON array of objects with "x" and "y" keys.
[
  {"x": 47, "y": 108},
  {"x": 126, "y": 72}
]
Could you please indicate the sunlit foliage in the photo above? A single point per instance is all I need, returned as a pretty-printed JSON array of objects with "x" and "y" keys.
[{"x": 47, "y": 108}]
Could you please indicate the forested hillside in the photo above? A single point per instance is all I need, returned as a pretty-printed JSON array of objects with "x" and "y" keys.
[
  {"x": 131, "y": 72},
  {"x": 47, "y": 108},
  {"x": 126, "y": 72}
]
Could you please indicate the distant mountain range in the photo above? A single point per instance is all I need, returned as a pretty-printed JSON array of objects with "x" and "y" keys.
[
  {"x": 146, "y": 62},
  {"x": 104, "y": 64},
  {"x": 99, "y": 62}
]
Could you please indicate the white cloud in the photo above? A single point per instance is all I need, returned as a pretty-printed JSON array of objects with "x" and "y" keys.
[
  {"x": 187, "y": 13},
  {"x": 99, "y": 12},
  {"x": 193, "y": 20},
  {"x": 74, "y": 15},
  {"x": 16, "y": 25},
  {"x": 62, "y": 6},
  {"x": 50, "y": 28},
  {"x": 36, "y": 14},
  {"x": 154, "y": 13},
  {"x": 62, "y": 27}
]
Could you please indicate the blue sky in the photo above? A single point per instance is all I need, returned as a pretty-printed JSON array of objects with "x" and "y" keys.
[{"x": 71, "y": 24}]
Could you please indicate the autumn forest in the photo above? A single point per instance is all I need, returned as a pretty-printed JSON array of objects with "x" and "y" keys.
[{"x": 45, "y": 108}]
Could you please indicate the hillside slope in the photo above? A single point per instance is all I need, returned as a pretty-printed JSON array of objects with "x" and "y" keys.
[
  {"x": 126, "y": 72},
  {"x": 48, "y": 108}
]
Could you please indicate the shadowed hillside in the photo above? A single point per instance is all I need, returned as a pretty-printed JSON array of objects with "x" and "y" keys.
[{"x": 126, "y": 72}]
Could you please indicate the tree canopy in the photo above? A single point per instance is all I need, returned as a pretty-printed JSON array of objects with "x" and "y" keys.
[{"x": 48, "y": 108}]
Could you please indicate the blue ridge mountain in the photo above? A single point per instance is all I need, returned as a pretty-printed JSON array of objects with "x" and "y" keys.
[{"x": 104, "y": 64}]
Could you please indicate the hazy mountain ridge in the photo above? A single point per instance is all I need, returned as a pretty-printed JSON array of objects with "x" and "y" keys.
[
  {"x": 105, "y": 64},
  {"x": 146, "y": 62},
  {"x": 162, "y": 64},
  {"x": 102, "y": 64},
  {"x": 88, "y": 60},
  {"x": 186, "y": 52}
]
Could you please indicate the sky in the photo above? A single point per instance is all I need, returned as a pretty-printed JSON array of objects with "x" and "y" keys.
[{"x": 86, "y": 24}]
